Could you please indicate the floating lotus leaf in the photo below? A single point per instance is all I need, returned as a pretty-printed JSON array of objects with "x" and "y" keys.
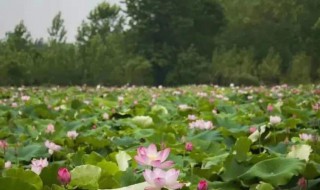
[
  {"x": 142, "y": 121},
  {"x": 276, "y": 171},
  {"x": 86, "y": 177},
  {"x": 301, "y": 152},
  {"x": 9, "y": 183},
  {"x": 26, "y": 176}
]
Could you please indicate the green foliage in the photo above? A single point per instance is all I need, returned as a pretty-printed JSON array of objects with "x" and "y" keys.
[
  {"x": 269, "y": 69},
  {"x": 26, "y": 176},
  {"x": 299, "y": 72},
  {"x": 86, "y": 176},
  {"x": 276, "y": 171},
  {"x": 234, "y": 66},
  {"x": 57, "y": 31}
]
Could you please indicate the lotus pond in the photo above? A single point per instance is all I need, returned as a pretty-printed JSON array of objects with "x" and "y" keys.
[{"x": 191, "y": 137}]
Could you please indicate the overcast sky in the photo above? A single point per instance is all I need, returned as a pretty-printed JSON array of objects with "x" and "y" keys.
[{"x": 38, "y": 14}]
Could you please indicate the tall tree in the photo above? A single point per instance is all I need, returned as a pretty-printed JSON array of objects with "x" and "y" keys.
[
  {"x": 161, "y": 29},
  {"x": 20, "y": 38},
  {"x": 100, "y": 41},
  {"x": 57, "y": 31}
]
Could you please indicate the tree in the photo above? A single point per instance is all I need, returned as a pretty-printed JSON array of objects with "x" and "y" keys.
[
  {"x": 16, "y": 60},
  {"x": 19, "y": 39},
  {"x": 161, "y": 29},
  {"x": 57, "y": 31},
  {"x": 101, "y": 46}
]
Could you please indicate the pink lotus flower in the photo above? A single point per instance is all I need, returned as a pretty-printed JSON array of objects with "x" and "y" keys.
[
  {"x": 25, "y": 98},
  {"x": 52, "y": 147},
  {"x": 38, "y": 165},
  {"x": 64, "y": 176},
  {"x": 14, "y": 105},
  {"x": 3, "y": 144},
  {"x": 189, "y": 146},
  {"x": 202, "y": 185},
  {"x": 252, "y": 129},
  {"x": 201, "y": 124},
  {"x": 307, "y": 137},
  {"x": 275, "y": 120},
  {"x": 302, "y": 183},
  {"x": 72, "y": 134},
  {"x": 269, "y": 108},
  {"x": 159, "y": 179},
  {"x": 192, "y": 117},
  {"x": 50, "y": 128},
  {"x": 151, "y": 157}
]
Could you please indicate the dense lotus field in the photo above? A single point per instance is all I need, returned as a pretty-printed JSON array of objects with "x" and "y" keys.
[{"x": 192, "y": 137}]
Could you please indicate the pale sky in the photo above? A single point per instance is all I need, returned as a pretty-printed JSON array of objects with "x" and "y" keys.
[{"x": 38, "y": 14}]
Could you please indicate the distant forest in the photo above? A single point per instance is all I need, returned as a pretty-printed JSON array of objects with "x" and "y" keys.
[{"x": 172, "y": 42}]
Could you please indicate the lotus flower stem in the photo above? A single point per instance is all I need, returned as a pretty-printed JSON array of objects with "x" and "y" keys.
[{"x": 259, "y": 129}]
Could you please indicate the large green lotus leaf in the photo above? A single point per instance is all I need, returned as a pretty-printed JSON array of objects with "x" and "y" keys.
[
  {"x": 206, "y": 136},
  {"x": 242, "y": 148},
  {"x": 224, "y": 120},
  {"x": 122, "y": 159},
  {"x": 26, "y": 153},
  {"x": 86, "y": 177},
  {"x": 9, "y": 183},
  {"x": 92, "y": 158},
  {"x": 142, "y": 121},
  {"x": 301, "y": 152},
  {"x": 231, "y": 185},
  {"x": 77, "y": 104},
  {"x": 159, "y": 110},
  {"x": 264, "y": 186},
  {"x": 57, "y": 187},
  {"x": 109, "y": 169},
  {"x": 291, "y": 122},
  {"x": 49, "y": 174},
  {"x": 222, "y": 107},
  {"x": 276, "y": 171},
  {"x": 233, "y": 169},
  {"x": 94, "y": 140},
  {"x": 213, "y": 161},
  {"x": 125, "y": 141},
  {"x": 26, "y": 176},
  {"x": 280, "y": 148},
  {"x": 312, "y": 170},
  {"x": 143, "y": 133}
]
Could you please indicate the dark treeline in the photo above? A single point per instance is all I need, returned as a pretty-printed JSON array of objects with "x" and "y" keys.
[{"x": 173, "y": 42}]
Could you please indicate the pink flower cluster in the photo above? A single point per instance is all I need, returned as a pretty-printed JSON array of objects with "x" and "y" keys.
[
  {"x": 201, "y": 124},
  {"x": 52, "y": 147},
  {"x": 151, "y": 157},
  {"x": 308, "y": 137},
  {"x": 38, "y": 165},
  {"x": 158, "y": 178}
]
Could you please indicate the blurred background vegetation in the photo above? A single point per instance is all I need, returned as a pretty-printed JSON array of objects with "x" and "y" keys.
[{"x": 173, "y": 42}]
